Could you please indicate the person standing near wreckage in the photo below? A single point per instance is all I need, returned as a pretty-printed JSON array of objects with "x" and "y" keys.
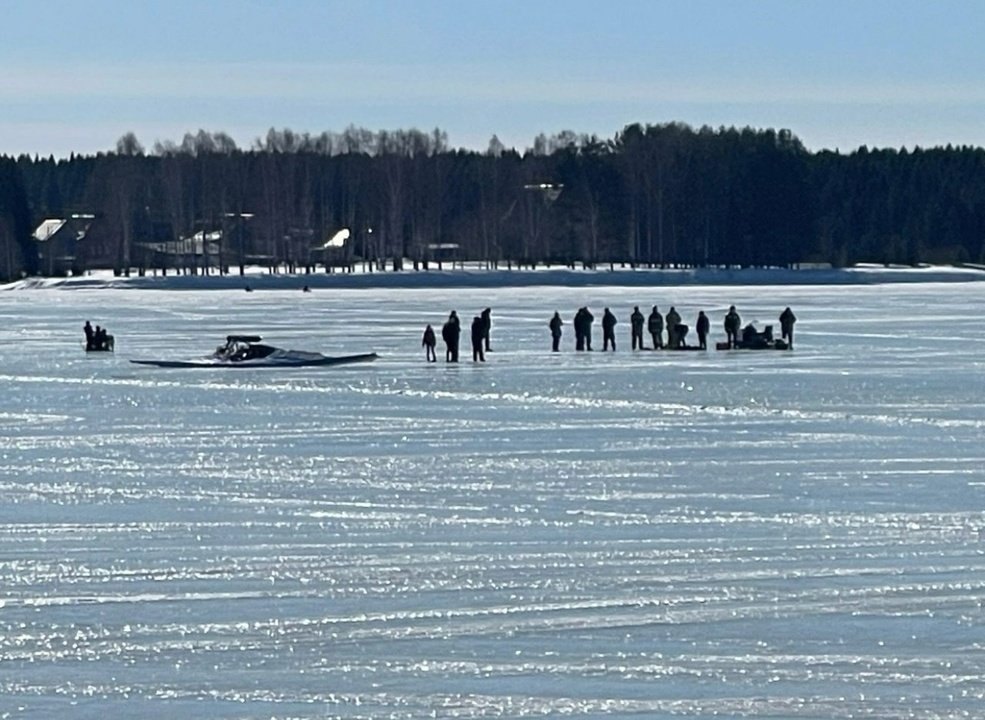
[
  {"x": 702, "y": 326},
  {"x": 555, "y": 325},
  {"x": 478, "y": 339},
  {"x": 673, "y": 320},
  {"x": 451, "y": 331},
  {"x": 787, "y": 319},
  {"x": 636, "y": 321},
  {"x": 732, "y": 324},
  {"x": 428, "y": 342},
  {"x": 655, "y": 326},
  {"x": 486, "y": 318},
  {"x": 608, "y": 330},
  {"x": 583, "y": 329}
]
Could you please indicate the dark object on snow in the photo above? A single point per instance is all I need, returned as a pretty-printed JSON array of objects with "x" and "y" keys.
[
  {"x": 428, "y": 342},
  {"x": 787, "y": 319},
  {"x": 555, "y": 326},
  {"x": 98, "y": 340},
  {"x": 451, "y": 332},
  {"x": 753, "y": 339},
  {"x": 247, "y": 351}
]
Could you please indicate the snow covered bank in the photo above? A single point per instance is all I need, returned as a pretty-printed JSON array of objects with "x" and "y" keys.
[{"x": 258, "y": 279}]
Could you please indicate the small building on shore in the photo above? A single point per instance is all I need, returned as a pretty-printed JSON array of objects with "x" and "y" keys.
[
  {"x": 60, "y": 243},
  {"x": 199, "y": 250}
]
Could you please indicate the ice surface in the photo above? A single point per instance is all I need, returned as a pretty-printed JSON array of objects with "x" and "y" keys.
[{"x": 592, "y": 535}]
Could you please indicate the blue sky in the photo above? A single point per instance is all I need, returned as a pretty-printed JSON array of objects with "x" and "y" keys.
[{"x": 76, "y": 76}]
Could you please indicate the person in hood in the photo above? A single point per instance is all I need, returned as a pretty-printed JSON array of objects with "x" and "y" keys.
[
  {"x": 478, "y": 339},
  {"x": 555, "y": 326},
  {"x": 428, "y": 342},
  {"x": 579, "y": 323},
  {"x": 589, "y": 319},
  {"x": 732, "y": 324},
  {"x": 608, "y": 330},
  {"x": 451, "y": 332},
  {"x": 486, "y": 317},
  {"x": 636, "y": 321},
  {"x": 583, "y": 329},
  {"x": 655, "y": 326},
  {"x": 787, "y": 319},
  {"x": 673, "y": 320},
  {"x": 702, "y": 326}
]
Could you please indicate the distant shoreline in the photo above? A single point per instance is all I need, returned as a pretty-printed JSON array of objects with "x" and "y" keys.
[{"x": 259, "y": 279}]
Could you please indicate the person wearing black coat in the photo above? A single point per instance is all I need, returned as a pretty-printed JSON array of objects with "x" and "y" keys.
[
  {"x": 579, "y": 323},
  {"x": 636, "y": 321},
  {"x": 583, "y": 329},
  {"x": 428, "y": 342},
  {"x": 702, "y": 326},
  {"x": 100, "y": 339},
  {"x": 787, "y": 319},
  {"x": 555, "y": 326},
  {"x": 655, "y": 326},
  {"x": 608, "y": 330},
  {"x": 732, "y": 324},
  {"x": 478, "y": 339},
  {"x": 486, "y": 317},
  {"x": 673, "y": 320},
  {"x": 451, "y": 331}
]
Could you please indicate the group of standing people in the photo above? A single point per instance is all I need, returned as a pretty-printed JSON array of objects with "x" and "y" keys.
[
  {"x": 97, "y": 339},
  {"x": 451, "y": 333},
  {"x": 656, "y": 324}
]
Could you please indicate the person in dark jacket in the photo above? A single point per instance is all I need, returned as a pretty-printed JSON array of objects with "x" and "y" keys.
[
  {"x": 555, "y": 326},
  {"x": 579, "y": 324},
  {"x": 636, "y": 321},
  {"x": 90, "y": 335},
  {"x": 732, "y": 324},
  {"x": 451, "y": 331},
  {"x": 478, "y": 339},
  {"x": 787, "y": 319},
  {"x": 428, "y": 342},
  {"x": 486, "y": 317},
  {"x": 655, "y": 326},
  {"x": 673, "y": 320},
  {"x": 702, "y": 326},
  {"x": 608, "y": 330},
  {"x": 589, "y": 319},
  {"x": 583, "y": 329}
]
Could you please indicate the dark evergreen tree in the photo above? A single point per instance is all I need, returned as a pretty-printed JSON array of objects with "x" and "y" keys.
[
  {"x": 654, "y": 195},
  {"x": 18, "y": 255}
]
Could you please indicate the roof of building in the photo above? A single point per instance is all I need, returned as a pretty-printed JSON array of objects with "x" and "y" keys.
[
  {"x": 201, "y": 243},
  {"x": 48, "y": 228},
  {"x": 52, "y": 226}
]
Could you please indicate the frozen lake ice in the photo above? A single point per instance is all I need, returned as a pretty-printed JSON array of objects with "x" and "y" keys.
[{"x": 593, "y": 535}]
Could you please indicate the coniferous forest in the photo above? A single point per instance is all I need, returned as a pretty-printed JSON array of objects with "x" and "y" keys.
[{"x": 653, "y": 196}]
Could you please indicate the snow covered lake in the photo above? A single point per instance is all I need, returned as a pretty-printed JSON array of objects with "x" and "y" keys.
[{"x": 794, "y": 535}]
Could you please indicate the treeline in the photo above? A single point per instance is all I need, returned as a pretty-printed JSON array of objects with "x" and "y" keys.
[{"x": 654, "y": 195}]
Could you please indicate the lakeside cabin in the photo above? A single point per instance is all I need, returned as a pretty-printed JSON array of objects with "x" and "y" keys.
[{"x": 59, "y": 243}]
